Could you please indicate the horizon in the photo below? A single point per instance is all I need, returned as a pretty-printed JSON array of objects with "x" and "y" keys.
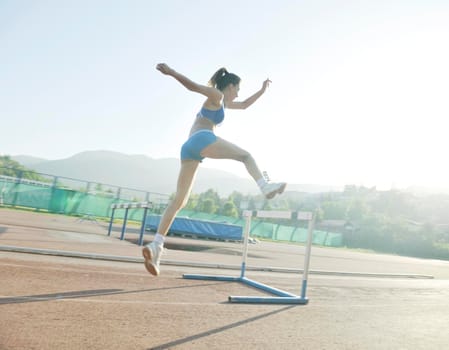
[
  {"x": 358, "y": 94},
  {"x": 412, "y": 188}
]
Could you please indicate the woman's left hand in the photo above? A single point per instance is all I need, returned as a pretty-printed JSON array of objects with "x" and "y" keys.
[{"x": 164, "y": 69}]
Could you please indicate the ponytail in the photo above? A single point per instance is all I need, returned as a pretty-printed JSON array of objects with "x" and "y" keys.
[
  {"x": 222, "y": 78},
  {"x": 217, "y": 77}
]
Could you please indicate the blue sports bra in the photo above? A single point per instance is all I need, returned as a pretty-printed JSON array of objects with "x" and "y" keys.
[{"x": 215, "y": 117}]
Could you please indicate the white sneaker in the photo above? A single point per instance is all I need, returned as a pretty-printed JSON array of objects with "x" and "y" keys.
[
  {"x": 152, "y": 255},
  {"x": 273, "y": 188}
]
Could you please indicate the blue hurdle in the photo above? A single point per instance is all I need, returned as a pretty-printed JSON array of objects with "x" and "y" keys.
[
  {"x": 127, "y": 206},
  {"x": 281, "y": 297}
]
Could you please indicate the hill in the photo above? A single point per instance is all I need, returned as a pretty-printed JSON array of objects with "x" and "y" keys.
[{"x": 145, "y": 173}]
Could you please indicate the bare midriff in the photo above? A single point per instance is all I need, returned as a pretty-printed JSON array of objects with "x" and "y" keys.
[{"x": 201, "y": 124}]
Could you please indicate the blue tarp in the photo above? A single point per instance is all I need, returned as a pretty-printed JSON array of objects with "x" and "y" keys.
[{"x": 209, "y": 229}]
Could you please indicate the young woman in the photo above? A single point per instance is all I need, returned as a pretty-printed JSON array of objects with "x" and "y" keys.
[{"x": 221, "y": 92}]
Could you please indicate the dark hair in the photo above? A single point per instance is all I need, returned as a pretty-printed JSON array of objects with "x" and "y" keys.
[{"x": 222, "y": 78}]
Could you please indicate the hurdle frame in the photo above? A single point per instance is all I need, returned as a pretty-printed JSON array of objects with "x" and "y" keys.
[
  {"x": 280, "y": 296},
  {"x": 127, "y": 206}
]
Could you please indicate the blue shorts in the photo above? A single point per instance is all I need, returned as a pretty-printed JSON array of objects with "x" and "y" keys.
[{"x": 193, "y": 147}]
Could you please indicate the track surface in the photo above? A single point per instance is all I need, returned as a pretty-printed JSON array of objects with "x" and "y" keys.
[{"x": 60, "y": 302}]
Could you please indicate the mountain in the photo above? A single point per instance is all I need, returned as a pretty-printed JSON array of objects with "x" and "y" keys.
[
  {"x": 28, "y": 161},
  {"x": 135, "y": 171},
  {"x": 145, "y": 173}
]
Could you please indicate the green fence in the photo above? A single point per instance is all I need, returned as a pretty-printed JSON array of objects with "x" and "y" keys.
[
  {"x": 269, "y": 230},
  {"x": 44, "y": 196},
  {"x": 49, "y": 197}
]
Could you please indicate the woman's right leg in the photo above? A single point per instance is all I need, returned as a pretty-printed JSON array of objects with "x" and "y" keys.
[
  {"x": 153, "y": 251},
  {"x": 184, "y": 187}
]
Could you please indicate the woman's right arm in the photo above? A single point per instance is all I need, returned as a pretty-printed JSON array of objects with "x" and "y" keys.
[{"x": 214, "y": 95}]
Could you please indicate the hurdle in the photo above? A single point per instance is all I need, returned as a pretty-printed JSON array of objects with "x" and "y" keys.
[
  {"x": 127, "y": 206},
  {"x": 280, "y": 296}
]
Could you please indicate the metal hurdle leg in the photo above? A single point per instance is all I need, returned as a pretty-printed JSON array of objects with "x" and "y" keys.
[
  {"x": 281, "y": 297},
  {"x": 110, "y": 222},
  {"x": 142, "y": 228},
  {"x": 127, "y": 206},
  {"x": 305, "y": 273},
  {"x": 246, "y": 230},
  {"x": 125, "y": 219},
  {"x": 227, "y": 278}
]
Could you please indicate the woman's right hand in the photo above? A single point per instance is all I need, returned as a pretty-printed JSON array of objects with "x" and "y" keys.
[{"x": 266, "y": 84}]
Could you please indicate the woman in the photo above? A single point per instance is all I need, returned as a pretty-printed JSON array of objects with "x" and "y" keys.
[{"x": 220, "y": 94}]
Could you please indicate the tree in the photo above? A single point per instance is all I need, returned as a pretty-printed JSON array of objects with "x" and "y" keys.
[
  {"x": 208, "y": 202},
  {"x": 210, "y": 194},
  {"x": 356, "y": 210},
  {"x": 334, "y": 210},
  {"x": 207, "y": 206},
  {"x": 193, "y": 202},
  {"x": 9, "y": 167},
  {"x": 237, "y": 198},
  {"x": 229, "y": 209}
]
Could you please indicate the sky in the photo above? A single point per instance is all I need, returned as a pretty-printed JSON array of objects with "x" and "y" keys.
[{"x": 359, "y": 91}]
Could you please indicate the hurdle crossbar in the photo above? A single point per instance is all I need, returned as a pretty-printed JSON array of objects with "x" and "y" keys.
[
  {"x": 280, "y": 296},
  {"x": 127, "y": 206}
]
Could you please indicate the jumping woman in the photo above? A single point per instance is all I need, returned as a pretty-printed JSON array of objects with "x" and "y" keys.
[{"x": 202, "y": 143}]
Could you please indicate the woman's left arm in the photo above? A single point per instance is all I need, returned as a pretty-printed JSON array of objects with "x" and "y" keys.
[{"x": 250, "y": 100}]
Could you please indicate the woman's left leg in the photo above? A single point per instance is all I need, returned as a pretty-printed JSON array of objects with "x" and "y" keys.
[{"x": 222, "y": 149}]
